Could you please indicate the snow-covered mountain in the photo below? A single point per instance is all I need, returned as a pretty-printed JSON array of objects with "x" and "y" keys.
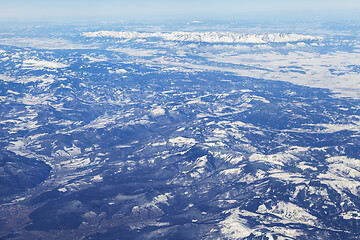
[
  {"x": 208, "y": 37},
  {"x": 165, "y": 136}
]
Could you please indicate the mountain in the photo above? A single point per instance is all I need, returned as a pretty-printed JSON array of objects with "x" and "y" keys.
[
  {"x": 207, "y": 37},
  {"x": 124, "y": 139}
]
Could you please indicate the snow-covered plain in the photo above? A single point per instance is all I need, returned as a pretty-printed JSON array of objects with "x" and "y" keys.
[{"x": 289, "y": 57}]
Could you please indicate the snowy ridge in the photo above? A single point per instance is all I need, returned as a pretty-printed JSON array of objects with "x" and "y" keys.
[{"x": 209, "y": 37}]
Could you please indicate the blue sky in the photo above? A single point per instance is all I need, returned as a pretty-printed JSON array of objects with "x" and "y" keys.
[{"x": 68, "y": 10}]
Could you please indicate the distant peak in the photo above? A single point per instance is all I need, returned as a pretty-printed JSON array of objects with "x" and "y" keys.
[{"x": 208, "y": 37}]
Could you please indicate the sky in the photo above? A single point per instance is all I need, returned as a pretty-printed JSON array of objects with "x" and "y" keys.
[{"x": 86, "y": 10}]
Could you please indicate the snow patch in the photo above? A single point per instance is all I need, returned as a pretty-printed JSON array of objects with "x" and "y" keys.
[
  {"x": 234, "y": 227},
  {"x": 158, "y": 144},
  {"x": 97, "y": 178},
  {"x": 232, "y": 171},
  {"x": 120, "y": 71},
  {"x": 273, "y": 159},
  {"x": 13, "y": 92},
  {"x": 62, "y": 190},
  {"x": 158, "y": 111},
  {"x": 162, "y": 198},
  {"x": 181, "y": 141},
  {"x": 289, "y": 212},
  {"x": 41, "y": 64}
]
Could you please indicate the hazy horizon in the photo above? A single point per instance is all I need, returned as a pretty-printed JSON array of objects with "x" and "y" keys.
[{"x": 160, "y": 10}]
